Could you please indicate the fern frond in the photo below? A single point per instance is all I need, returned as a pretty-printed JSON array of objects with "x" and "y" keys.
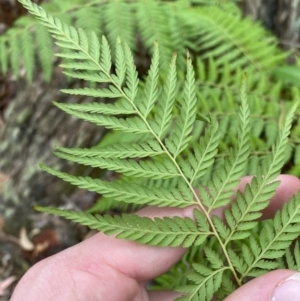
[
  {"x": 120, "y": 64},
  {"x": 165, "y": 106},
  {"x": 160, "y": 231},
  {"x": 227, "y": 287},
  {"x": 130, "y": 124},
  {"x": 87, "y": 76},
  {"x": 112, "y": 138},
  {"x": 162, "y": 160},
  {"x": 151, "y": 16},
  {"x": 120, "y": 107},
  {"x": 119, "y": 21},
  {"x": 222, "y": 186},
  {"x": 174, "y": 278},
  {"x": 110, "y": 92},
  {"x": 44, "y": 45},
  {"x": 88, "y": 19},
  {"x": 223, "y": 31},
  {"x": 105, "y": 58},
  {"x": 27, "y": 46},
  {"x": 182, "y": 131},
  {"x": 245, "y": 209},
  {"x": 207, "y": 282},
  {"x": 151, "y": 90},
  {"x": 274, "y": 238},
  {"x": 132, "y": 81},
  {"x": 133, "y": 193},
  {"x": 293, "y": 259},
  {"x": 201, "y": 158},
  {"x": 130, "y": 167},
  {"x": 125, "y": 150},
  {"x": 15, "y": 56},
  {"x": 3, "y": 56}
]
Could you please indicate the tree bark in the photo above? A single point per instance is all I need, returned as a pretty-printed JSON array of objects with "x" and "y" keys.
[
  {"x": 282, "y": 17},
  {"x": 31, "y": 126}
]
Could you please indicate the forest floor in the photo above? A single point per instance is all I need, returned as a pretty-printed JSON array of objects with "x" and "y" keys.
[{"x": 46, "y": 236}]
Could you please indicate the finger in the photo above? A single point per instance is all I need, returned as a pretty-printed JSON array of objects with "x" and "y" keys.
[
  {"x": 163, "y": 296},
  {"x": 280, "y": 285},
  {"x": 137, "y": 261}
]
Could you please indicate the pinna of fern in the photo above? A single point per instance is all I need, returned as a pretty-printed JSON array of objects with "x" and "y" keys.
[{"x": 167, "y": 155}]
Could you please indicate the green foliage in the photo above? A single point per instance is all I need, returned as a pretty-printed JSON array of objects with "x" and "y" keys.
[
  {"x": 222, "y": 44},
  {"x": 197, "y": 25},
  {"x": 160, "y": 231},
  {"x": 162, "y": 161}
]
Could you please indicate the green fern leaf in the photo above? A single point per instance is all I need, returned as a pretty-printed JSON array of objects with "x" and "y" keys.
[
  {"x": 153, "y": 170},
  {"x": 86, "y": 66},
  {"x": 160, "y": 231},
  {"x": 207, "y": 282},
  {"x": 165, "y": 106},
  {"x": 3, "y": 56},
  {"x": 132, "y": 81},
  {"x": 293, "y": 260},
  {"x": 151, "y": 91},
  {"x": 228, "y": 177},
  {"x": 94, "y": 47},
  {"x": 108, "y": 93},
  {"x": 133, "y": 193},
  {"x": 125, "y": 150},
  {"x": 213, "y": 258},
  {"x": 88, "y": 19},
  {"x": 184, "y": 125},
  {"x": 258, "y": 194},
  {"x": 132, "y": 124},
  {"x": 27, "y": 46},
  {"x": 201, "y": 158},
  {"x": 88, "y": 76},
  {"x": 105, "y": 56},
  {"x": 44, "y": 45},
  {"x": 15, "y": 56},
  {"x": 120, "y": 107},
  {"x": 120, "y": 64},
  {"x": 151, "y": 19},
  {"x": 274, "y": 238},
  {"x": 119, "y": 21},
  {"x": 162, "y": 160}
]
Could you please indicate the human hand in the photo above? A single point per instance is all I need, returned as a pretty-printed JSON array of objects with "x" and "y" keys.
[{"x": 105, "y": 268}]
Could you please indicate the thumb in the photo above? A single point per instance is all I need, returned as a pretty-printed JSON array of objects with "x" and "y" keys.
[{"x": 280, "y": 285}]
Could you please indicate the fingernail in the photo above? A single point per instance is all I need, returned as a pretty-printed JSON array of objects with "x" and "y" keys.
[{"x": 288, "y": 290}]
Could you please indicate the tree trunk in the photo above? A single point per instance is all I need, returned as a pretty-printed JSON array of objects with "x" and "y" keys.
[
  {"x": 31, "y": 127},
  {"x": 282, "y": 17}
]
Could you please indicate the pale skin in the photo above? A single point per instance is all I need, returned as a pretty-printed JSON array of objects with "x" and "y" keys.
[{"x": 105, "y": 268}]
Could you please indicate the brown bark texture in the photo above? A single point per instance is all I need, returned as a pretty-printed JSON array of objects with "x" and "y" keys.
[
  {"x": 282, "y": 17},
  {"x": 31, "y": 127}
]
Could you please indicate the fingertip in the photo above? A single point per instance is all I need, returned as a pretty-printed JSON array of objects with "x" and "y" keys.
[
  {"x": 163, "y": 295},
  {"x": 289, "y": 186},
  {"x": 263, "y": 288}
]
